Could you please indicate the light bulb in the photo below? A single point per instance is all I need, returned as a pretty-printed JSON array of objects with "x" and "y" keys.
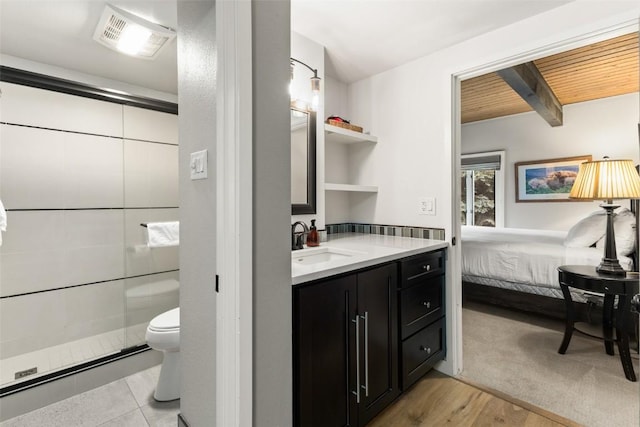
[
  {"x": 315, "y": 85},
  {"x": 133, "y": 38}
]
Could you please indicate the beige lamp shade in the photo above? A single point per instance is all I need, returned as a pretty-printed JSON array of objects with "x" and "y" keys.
[{"x": 606, "y": 180}]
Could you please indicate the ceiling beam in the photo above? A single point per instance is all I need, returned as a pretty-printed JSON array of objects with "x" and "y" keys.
[{"x": 526, "y": 80}]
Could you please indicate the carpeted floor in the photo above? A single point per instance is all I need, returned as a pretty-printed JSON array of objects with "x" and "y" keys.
[{"x": 517, "y": 354}]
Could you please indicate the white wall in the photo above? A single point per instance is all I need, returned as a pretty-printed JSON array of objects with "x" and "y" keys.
[
  {"x": 602, "y": 127},
  {"x": 198, "y": 257},
  {"x": 337, "y": 204},
  {"x": 411, "y": 109},
  {"x": 200, "y": 56},
  {"x": 312, "y": 54},
  {"x": 272, "y": 328}
]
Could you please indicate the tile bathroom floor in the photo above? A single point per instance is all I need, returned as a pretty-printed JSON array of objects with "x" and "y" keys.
[{"x": 127, "y": 402}]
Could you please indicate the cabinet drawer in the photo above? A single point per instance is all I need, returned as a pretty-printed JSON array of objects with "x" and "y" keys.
[
  {"x": 420, "y": 305},
  {"x": 421, "y": 266},
  {"x": 421, "y": 351}
]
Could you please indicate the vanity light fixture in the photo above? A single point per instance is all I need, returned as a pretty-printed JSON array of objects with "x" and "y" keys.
[
  {"x": 315, "y": 81},
  {"x": 130, "y": 34}
]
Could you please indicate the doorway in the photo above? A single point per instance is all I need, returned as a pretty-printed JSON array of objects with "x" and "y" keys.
[{"x": 566, "y": 390}]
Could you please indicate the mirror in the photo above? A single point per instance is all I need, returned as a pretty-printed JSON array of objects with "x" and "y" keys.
[{"x": 303, "y": 161}]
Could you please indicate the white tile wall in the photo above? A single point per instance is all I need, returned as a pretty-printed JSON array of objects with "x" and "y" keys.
[
  {"x": 94, "y": 309},
  {"x": 30, "y": 254},
  {"x": 49, "y": 319},
  {"x": 51, "y": 249},
  {"x": 44, "y": 169},
  {"x": 41, "y": 321},
  {"x": 149, "y": 125},
  {"x": 151, "y": 174},
  {"x": 145, "y": 298},
  {"x": 141, "y": 259},
  {"x": 43, "y": 108}
]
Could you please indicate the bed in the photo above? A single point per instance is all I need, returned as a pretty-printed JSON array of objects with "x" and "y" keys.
[{"x": 517, "y": 268}]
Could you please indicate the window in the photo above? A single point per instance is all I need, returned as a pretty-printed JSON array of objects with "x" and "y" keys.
[{"x": 482, "y": 185}]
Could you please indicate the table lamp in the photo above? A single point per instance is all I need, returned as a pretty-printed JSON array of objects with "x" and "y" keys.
[{"x": 607, "y": 180}]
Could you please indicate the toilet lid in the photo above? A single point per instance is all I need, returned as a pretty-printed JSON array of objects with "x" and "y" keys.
[{"x": 167, "y": 320}]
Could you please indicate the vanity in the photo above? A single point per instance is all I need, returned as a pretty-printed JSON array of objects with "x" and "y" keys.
[{"x": 368, "y": 322}]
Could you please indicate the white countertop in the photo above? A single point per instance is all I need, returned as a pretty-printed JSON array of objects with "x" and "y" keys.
[{"x": 372, "y": 249}]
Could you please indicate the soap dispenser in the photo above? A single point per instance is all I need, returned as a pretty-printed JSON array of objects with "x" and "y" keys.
[{"x": 312, "y": 237}]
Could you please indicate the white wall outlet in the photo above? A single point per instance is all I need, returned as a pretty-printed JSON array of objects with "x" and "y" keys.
[
  {"x": 426, "y": 206},
  {"x": 198, "y": 165}
]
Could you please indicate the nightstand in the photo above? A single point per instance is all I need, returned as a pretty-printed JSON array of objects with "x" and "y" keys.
[{"x": 618, "y": 317}]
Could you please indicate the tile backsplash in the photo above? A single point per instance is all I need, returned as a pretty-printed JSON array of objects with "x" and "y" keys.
[{"x": 389, "y": 230}]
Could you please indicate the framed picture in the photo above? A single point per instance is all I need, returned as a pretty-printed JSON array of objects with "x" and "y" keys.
[{"x": 547, "y": 180}]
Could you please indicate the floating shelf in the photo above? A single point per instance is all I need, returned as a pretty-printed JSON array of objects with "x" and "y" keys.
[
  {"x": 350, "y": 187},
  {"x": 346, "y": 136}
]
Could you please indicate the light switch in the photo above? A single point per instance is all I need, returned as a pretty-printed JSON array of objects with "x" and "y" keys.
[
  {"x": 198, "y": 165},
  {"x": 427, "y": 206}
]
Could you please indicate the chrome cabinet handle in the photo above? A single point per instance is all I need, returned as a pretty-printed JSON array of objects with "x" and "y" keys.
[
  {"x": 366, "y": 353},
  {"x": 426, "y": 304},
  {"x": 426, "y": 267},
  {"x": 357, "y": 392},
  {"x": 427, "y": 349}
]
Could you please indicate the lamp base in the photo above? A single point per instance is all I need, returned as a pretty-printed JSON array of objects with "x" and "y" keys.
[
  {"x": 611, "y": 267},
  {"x": 610, "y": 264}
]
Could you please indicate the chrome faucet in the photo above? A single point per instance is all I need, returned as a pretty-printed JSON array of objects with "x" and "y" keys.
[{"x": 297, "y": 237}]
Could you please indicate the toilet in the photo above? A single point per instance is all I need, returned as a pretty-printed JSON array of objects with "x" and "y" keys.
[{"x": 163, "y": 334}]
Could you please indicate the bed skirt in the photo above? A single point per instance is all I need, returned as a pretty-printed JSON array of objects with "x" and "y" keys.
[
  {"x": 534, "y": 299},
  {"x": 542, "y": 290}
]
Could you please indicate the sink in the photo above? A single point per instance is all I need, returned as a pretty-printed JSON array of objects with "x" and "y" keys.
[{"x": 323, "y": 254}]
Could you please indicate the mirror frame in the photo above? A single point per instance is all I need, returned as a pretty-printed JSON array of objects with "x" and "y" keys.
[{"x": 310, "y": 206}]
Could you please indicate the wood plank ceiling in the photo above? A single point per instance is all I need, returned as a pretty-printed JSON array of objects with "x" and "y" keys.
[{"x": 599, "y": 70}]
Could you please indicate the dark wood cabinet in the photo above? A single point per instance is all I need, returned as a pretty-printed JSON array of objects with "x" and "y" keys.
[
  {"x": 362, "y": 337},
  {"x": 377, "y": 308},
  {"x": 345, "y": 348},
  {"x": 422, "y": 314},
  {"x": 324, "y": 375}
]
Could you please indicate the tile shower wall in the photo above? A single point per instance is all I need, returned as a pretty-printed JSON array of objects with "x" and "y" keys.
[{"x": 78, "y": 176}]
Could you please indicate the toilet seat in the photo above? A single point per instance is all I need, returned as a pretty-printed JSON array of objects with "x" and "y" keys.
[{"x": 166, "y": 322}]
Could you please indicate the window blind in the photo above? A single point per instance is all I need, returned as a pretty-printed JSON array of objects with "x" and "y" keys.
[{"x": 489, "y": 162}]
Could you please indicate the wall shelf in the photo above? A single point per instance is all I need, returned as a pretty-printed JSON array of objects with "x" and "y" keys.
[
  {"x": 351, "y": 187},
  {"x": 346, "y": 136}
]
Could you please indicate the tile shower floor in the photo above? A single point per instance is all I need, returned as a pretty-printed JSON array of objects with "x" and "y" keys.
[
  {"x": 71, "y": 353},
  {"x": 123, "y": 403}
]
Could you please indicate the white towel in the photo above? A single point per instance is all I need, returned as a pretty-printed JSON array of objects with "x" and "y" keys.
[
  {"x": 3, "y": 220},
  {"x": 163, "y": 234}
]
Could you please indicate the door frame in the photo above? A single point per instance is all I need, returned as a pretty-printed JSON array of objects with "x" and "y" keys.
[
  {"x": 234, "y": 245},
  {"x": 599, "y": 34}
]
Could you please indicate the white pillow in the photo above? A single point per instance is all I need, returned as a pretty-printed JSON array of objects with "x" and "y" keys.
[
  {"x": 587, "y": 231},
  {"x": 624, "y": 228}
]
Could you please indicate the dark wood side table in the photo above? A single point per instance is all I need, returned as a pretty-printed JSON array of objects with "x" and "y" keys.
[{"x": 615, "y": 317}]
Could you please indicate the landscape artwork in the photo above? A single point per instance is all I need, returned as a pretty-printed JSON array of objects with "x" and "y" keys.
[{"x": 547, "y": 180}]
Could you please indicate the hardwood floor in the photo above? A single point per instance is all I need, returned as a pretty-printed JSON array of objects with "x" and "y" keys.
[{"x": 438, "y": 400}]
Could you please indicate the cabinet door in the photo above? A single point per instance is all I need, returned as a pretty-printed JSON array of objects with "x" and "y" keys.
[
  {"x": 377, "y": 308},
  {"x": 324, "y": 371}
]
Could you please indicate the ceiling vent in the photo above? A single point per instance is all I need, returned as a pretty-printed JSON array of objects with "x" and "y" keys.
[{"x": 130, "y": 34}]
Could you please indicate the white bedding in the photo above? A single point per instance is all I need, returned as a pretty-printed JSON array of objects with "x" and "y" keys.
[{"x": 529, "y": 257}]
